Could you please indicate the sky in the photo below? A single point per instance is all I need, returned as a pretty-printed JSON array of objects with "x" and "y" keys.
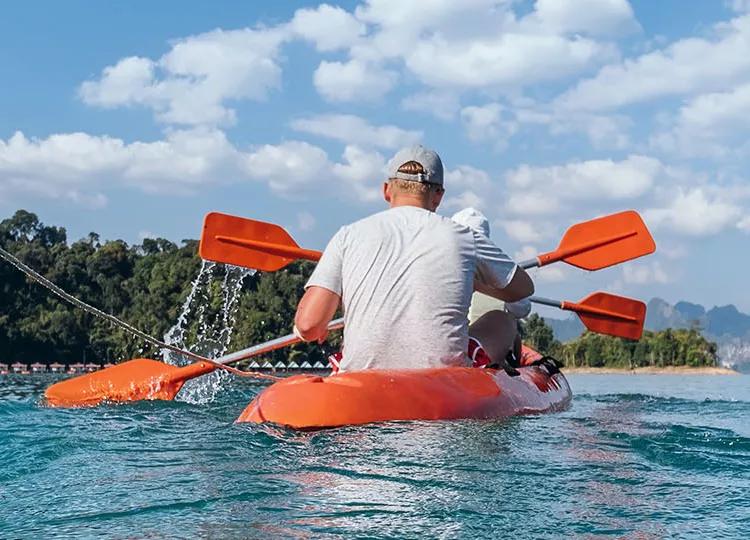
[{"x": 134, "y": 119}]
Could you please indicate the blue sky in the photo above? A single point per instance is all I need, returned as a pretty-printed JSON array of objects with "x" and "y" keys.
[{"x": 135, "y": 119}]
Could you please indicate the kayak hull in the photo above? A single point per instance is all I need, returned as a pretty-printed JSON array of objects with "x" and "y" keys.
[{"x": 449, "y": 393}]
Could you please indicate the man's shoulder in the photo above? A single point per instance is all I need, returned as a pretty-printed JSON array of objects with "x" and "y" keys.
[{"x": 405, "y": 214}]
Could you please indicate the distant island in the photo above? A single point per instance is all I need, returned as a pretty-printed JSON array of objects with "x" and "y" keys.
[
  {"x": 726, "y": 326},
  {"x": 146, "y": 285},
  {"x": 683, "y": 348}
]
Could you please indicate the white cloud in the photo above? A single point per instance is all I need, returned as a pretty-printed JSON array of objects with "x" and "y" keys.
[
  {"x": 645, "y": 273},
  {"x": 594, "y": 179},
  {"x": 693, "y": 212},
  {"x": 306, "y": 221},
  {"x": 487, "y": 123},
  {"x": 353, "y": 81},
  {"x": 466, "y": 176},
  {"x": 292, "y": 167},
  {"x": 603, "y": 131},
  {"x": 597, "y": 17},
  {"x": 193, "y": 81},
  {"x": 441, "y": 105},
  {"x": 356, "y": 130},
  {"x": 288, "y": 166},
  {"x": 740, "y": 6},
  {"x": 690, "y": 65},
  {"x": 361, "y": 172},
  {"x": 522, "y": 231},
  {"x": 549, "y": 274},
  {"x": 503, "y": 59},
  {"x": 330, "y": 28},
  {"x": 482, "y": 43},
  {"x": 709, "y": 125},
  {"x": 77, "y": 166},
  {"x": 465, "y": 199},
  {"x": 467, "y": 186}
]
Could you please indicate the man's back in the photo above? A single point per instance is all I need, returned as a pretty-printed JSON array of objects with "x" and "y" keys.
[{"x": 405, "y": 277}]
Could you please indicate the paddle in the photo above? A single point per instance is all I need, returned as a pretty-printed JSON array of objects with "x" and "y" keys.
[
  {"x": 142, "y": 378},
  {"x": 591, "y": 245},
  {"x": 605, "y": 313}
]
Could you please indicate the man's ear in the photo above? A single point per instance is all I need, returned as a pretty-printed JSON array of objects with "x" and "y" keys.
[
  {"x": 387, "y": 192},
  {"x": 437, "y": 198}
]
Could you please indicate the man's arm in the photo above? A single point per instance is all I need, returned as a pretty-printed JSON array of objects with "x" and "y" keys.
[
  {"x": 314, "y": 312},
  {"x": 497, "y": 275},
  {"x": 520, "y": 287},
  {"x": 323, "y": 292}
]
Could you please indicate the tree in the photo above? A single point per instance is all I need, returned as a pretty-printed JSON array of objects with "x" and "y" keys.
[{"x": 538, "y": 335}]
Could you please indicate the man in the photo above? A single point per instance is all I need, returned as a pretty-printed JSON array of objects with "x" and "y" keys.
[
  {"x": 482, "y": 303},
  {"x": 405, "y": 277}
]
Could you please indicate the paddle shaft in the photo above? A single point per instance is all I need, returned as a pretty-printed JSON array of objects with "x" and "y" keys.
[
  {"x": 268, "y": 346},
  {"x": 582, "y": 309},
  {"x": 560, "y": 254}
]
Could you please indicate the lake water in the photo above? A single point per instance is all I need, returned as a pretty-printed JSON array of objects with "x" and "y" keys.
[{"x": 636, "y": 456}]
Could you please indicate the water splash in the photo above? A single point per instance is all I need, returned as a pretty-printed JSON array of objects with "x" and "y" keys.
[
  {"x": 204, "y": 330},
  {"x": 735, "y": 354}
]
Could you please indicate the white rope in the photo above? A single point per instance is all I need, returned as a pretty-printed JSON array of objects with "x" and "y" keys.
[{"x": 12, "y": 259}]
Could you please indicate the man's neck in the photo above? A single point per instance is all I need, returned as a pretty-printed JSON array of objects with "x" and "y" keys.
[{"x": 409, "y": 201}]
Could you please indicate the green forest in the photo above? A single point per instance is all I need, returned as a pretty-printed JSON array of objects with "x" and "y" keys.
[
  {"x": 683, "y": 347},
  {"x": 147, "y": 284},
  {"x": 144, "y": 285}
]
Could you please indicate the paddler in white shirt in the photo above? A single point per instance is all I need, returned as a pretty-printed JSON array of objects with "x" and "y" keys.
[
  {"x": 405, "y": 278},
  {"x": 482, "y": 303}
]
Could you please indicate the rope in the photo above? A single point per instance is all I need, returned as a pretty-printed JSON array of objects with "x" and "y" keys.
[{"x": 13, "y": 260}]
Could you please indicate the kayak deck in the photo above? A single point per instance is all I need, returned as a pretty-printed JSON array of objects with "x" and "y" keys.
[{"x": 449, "y": 393}]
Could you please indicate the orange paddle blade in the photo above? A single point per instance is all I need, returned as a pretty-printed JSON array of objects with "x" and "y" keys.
[
  {"x": 609, "y": 314},
  {"x": 603, "y": 242},
  {"x": 129, "y": 381},
  {"x": 249, "y": 243}
]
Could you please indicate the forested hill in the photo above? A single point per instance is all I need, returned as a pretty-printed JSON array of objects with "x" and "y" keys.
[
  {"x": 670, "y": 347},
  {"x": 146, "y": 285}
]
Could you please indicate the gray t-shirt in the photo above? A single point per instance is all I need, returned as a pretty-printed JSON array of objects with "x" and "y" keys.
[{"x": 405, "y": 277}]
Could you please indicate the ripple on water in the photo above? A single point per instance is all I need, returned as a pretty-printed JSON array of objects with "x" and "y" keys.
[{"x": 646, "y": 464}]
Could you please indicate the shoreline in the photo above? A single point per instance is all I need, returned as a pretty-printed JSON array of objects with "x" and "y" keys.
[{"x": 652, "y": 370}]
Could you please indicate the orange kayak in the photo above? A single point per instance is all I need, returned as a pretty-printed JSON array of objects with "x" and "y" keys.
[{"x": 450, "y": 393}]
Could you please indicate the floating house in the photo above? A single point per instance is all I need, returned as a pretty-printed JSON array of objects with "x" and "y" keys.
[
  {"x": 19, "y": 368},
  {"x": 91, "y": 367},
  {"x": 36, "y": 367},
  {"x": 56, "y": 368},
  {"x": 75, "y": 368},
  {"x": 3, "y": 369},
  {"x": 305, "y": 365}
]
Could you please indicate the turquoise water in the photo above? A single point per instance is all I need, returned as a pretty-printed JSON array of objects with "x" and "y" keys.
[{"x": 636, "y": 456}]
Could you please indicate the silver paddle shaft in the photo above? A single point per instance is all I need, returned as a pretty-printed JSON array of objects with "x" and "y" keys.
[{"x": 268, "y": 346}]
